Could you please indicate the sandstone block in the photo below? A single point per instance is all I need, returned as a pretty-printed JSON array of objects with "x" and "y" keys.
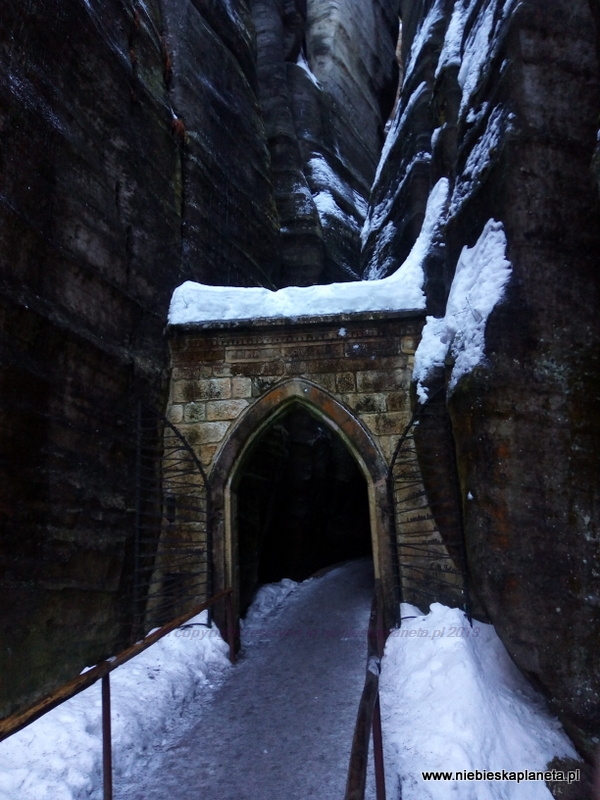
[
  {"x": 398, "y": 401},
  {"x": 241, "y": 387},
  {"x": 183, "y": 391},
  {"x": 379, "y": 381},
  {"x": 211, "y": 432},
  {"x": 213, "y": 389},
  {"x": 371, "y": 403},
  {"x": 221, "y": 371},
  {"x": 175, "y": 413},
  {"x": 345, "y": 382},
  {"x": 207, "y": 453},
  {"x": 225, "y": 409},
  {"x": 262, "y": 384},
  {"x": 409, "y": 344},
  {"x": 250, "y": 369},
  {"x": 194, "y": 412},
  {"x": 326, "y": 381},
  {"x": 388, "y": 445},
  {"x": 252, "y": 354},
  {"x": 394, "y": 423}
]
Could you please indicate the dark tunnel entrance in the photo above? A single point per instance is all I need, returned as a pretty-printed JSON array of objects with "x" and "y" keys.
[{"x": 302, "y": 504}]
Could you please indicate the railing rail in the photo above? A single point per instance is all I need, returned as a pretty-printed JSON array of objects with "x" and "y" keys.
[
  {"x": 368, "y": 719},
  {"x": 102, "y": 671}
]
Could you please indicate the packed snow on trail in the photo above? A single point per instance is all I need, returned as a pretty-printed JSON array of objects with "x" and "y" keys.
[{"x": 451, "y": 700}]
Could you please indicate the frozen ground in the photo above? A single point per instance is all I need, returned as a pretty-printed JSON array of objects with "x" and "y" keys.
[{"x": 279, "y": 724}]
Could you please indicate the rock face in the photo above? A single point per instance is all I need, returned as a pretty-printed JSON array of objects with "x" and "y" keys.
[
  {"x": 327, "y": 79},
  {"x": 89, "y": 242},
  {"x": 230, "y": 225},
  {"x": 502, "y": 99},
  {"x": 126, "y": 168},
  {"x": 143, "y": 144}
]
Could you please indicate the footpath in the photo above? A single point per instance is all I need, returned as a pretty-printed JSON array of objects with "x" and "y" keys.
[{"x": 281, "y": 724}]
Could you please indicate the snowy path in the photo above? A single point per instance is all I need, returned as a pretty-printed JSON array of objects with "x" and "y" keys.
[{"x": 281, "y": 724}]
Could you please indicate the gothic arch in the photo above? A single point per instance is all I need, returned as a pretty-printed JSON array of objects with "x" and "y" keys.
[{"x": 246, "y": 432}]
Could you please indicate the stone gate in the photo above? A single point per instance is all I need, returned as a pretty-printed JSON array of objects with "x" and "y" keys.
[
  {"x": 231, "y": 380},
  {"x": 220, "y": 371}
]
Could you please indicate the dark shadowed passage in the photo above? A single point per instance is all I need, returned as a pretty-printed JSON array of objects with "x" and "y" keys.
[{"x": 302, "y": 504}]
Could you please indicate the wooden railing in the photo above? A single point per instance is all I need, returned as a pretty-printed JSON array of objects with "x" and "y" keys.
[
  {"x": 102, "y": 671},
  {"x": 369, "y": 713}
]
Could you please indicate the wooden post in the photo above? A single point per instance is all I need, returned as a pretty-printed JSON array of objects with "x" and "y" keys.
[
  {"x": 106, "y": 738},
  {"x": 378, "y": 751},
  {"x": 230, "y": 626}
]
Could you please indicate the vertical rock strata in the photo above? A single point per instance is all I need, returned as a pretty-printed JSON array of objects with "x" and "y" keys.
[
  {"x": 502, "y": 98},
  {"x": 230, "y": 226},
  {"x": 132, "y": 157},
  {"x": 137, "y": 151},
  {"x": 327, "y": 77}
]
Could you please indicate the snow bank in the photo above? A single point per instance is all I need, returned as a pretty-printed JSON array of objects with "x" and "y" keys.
[
  {"x": 402, "y": 291},
  {"x": 481, "y": 276},
  {"x": 59, "y": 756},
  {"x": 452, "y": 699},
  {"x": 267, "y": 601}
]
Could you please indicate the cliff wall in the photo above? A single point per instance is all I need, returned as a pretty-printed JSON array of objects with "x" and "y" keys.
[
  {"x": 126, "y": 167},
  {"x": 143, "y": 144},
  {"x": 502, "y": 99}
]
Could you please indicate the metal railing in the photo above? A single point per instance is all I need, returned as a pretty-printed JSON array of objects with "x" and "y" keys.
[
  {"x": 102, "y": 672},
  {"x": 171, "y": 566},
  {"x": 424, "y": 496},
  {"x": 368, "y": 719}
]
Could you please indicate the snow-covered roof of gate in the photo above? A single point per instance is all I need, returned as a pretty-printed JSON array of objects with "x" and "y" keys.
[{"x": 403, "y": 291}]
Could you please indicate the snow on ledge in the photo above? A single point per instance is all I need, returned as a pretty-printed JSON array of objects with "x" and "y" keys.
[
  {"x": 482, "y": 273},
  {"x": 403, "y": 291}
]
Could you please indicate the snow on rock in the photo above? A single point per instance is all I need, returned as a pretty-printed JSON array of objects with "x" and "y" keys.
[
  {"x": 321, "y": 175},
  {"x": 59, "y": 756},
  {"x": 481, "y": 156},
  {"x": 472, "y": 47},
  {"x": 303, "y": 63},
  {"x": 435, "y": 16},
  {"x": 403, "y": 114},
  {"x": 481, "y": 276},
  {"x": 402, "y": 291},
  {"x": 452, "y": 699}
]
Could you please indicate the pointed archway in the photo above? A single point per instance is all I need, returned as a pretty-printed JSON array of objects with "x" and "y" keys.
[{"x": 240, "y": 441}]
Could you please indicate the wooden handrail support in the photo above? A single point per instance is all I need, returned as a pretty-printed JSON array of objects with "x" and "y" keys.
[
  {"x": 21, "y": 719},
  {"x": 369, "y": 715}
]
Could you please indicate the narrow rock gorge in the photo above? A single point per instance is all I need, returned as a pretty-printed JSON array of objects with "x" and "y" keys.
[{"x": 242, "y": 142}]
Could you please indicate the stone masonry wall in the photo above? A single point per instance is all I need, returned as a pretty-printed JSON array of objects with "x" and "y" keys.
[{"x": 218, "y": 373}]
